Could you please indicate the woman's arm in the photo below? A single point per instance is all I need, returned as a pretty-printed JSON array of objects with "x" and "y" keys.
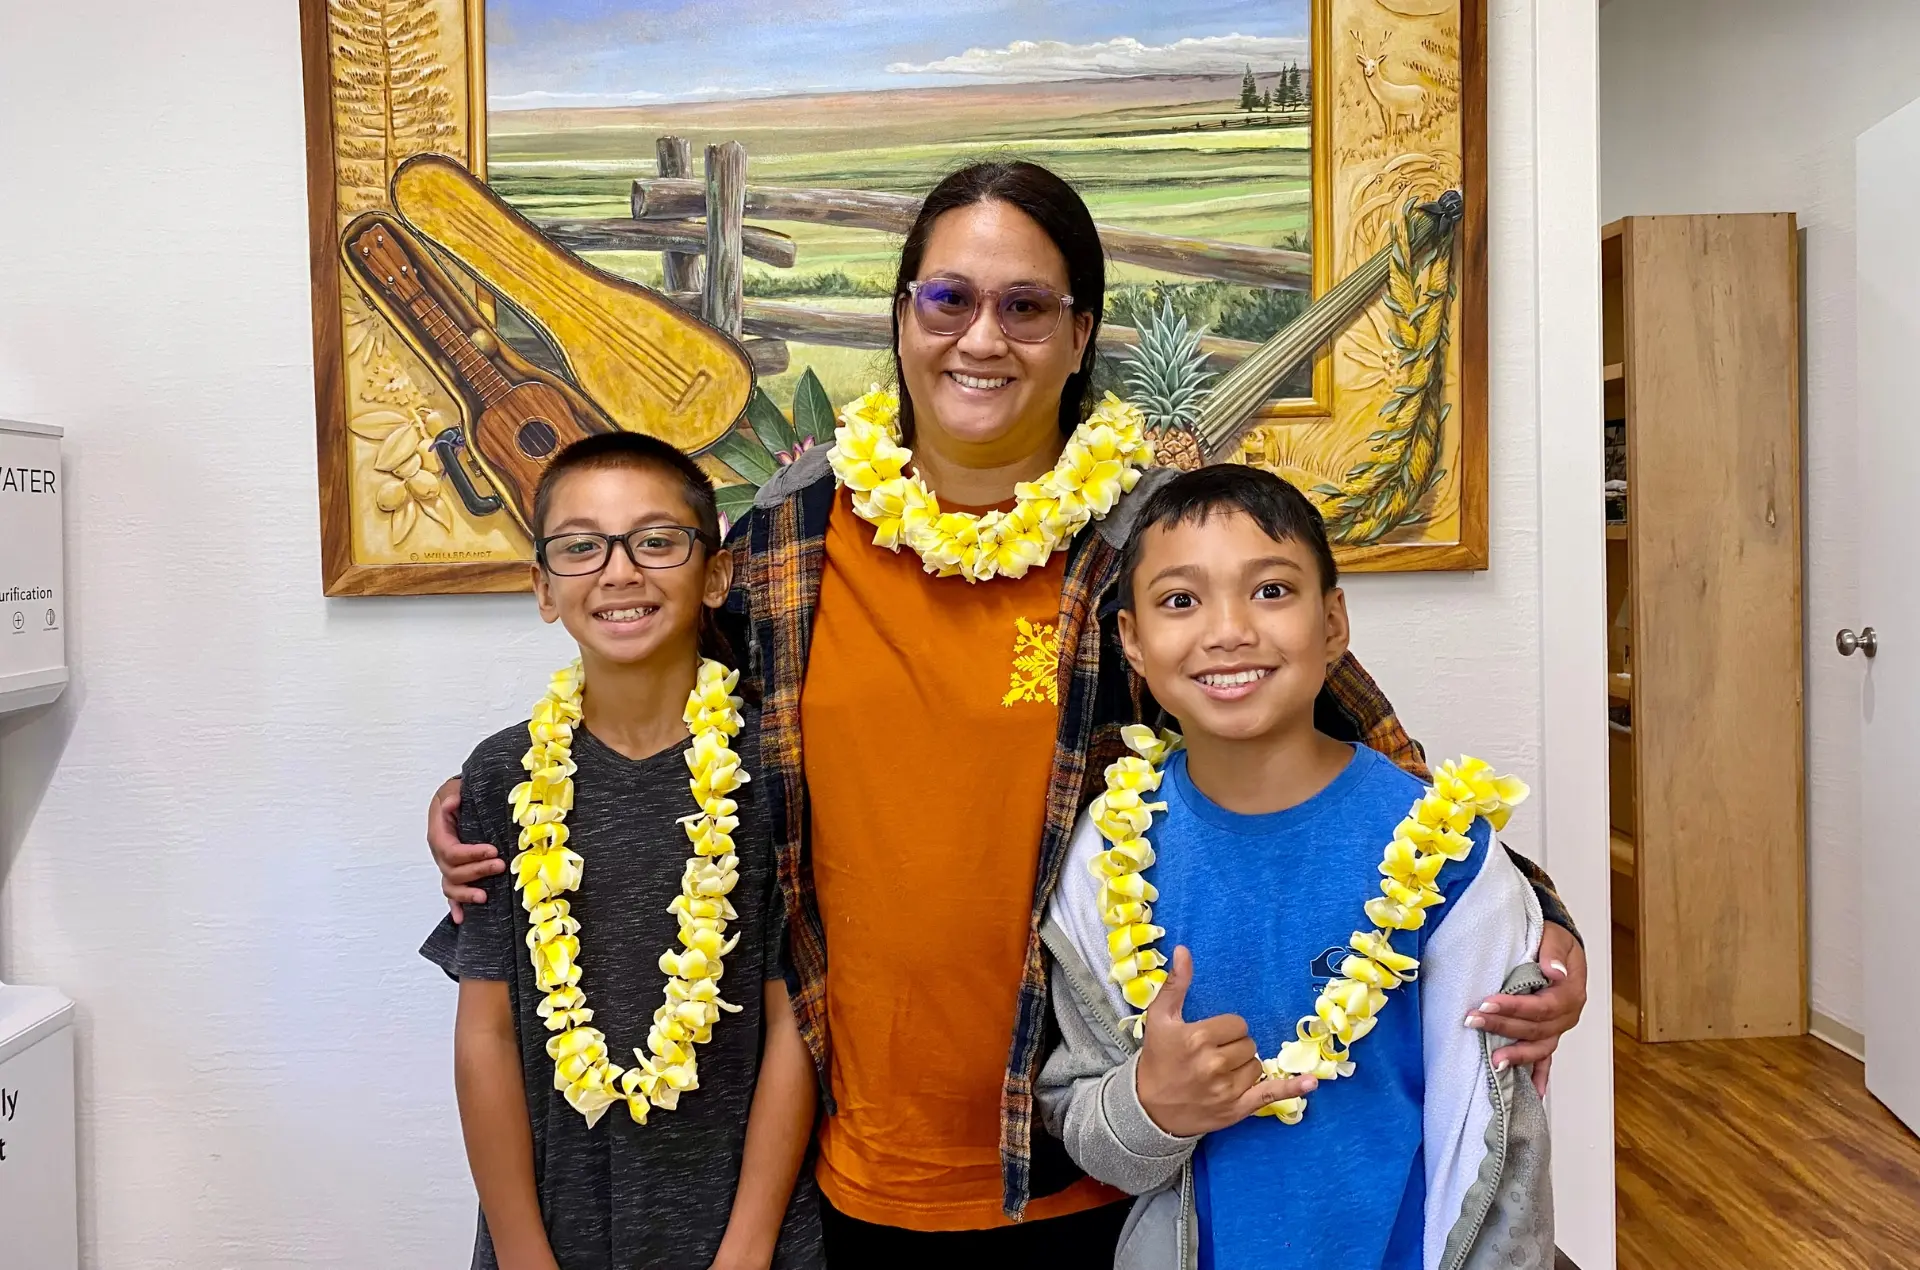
[
  {"x": 493, "y": 1118},
  {"x": 463, "y": 866},
  {"x": 778, "y": 1129},
  {"x": 1357, "y": 710}
]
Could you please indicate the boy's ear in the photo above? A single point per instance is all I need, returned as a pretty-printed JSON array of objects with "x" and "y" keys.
[
  {"x": 1130, "y": 642},
  {"x": 719, "y": 578},
  {"x": 543, "y": 594},
  {"x": 1337, "y": 629}
]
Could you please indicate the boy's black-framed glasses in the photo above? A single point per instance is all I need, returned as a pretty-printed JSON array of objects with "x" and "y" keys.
[{"x": 653, "y": 547}]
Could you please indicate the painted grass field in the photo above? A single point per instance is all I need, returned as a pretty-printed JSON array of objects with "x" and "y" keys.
[{"x": 1148, "y": 153}]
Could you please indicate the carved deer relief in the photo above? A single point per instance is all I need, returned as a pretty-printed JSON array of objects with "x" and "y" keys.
[{"x": 1397, "y": 101}]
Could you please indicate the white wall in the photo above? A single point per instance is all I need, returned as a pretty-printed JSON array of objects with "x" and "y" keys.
[
  {"x": 1715, "y": 107},
  {"x": 213, "y": 843}
]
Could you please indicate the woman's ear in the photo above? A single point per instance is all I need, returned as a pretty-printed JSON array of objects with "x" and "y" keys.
[{"x": 1082, "y": 331}]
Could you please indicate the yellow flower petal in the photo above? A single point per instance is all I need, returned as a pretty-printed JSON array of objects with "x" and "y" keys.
[
  {"x": 1136, "y": 964},
  {"x": 1141, "y": 989},
  {"x": 1126, "y": 939}
]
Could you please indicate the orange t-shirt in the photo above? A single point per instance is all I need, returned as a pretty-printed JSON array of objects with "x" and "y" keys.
[{"x": 927, "y": 722}]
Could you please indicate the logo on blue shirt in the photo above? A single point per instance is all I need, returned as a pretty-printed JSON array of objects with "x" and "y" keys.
[{"x": 1327, "y": 965}]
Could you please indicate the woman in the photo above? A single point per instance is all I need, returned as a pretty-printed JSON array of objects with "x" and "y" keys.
[{"x": 926, "y": 763}]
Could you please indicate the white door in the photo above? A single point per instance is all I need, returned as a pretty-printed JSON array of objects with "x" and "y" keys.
[{"x": 1887, "y": 173}]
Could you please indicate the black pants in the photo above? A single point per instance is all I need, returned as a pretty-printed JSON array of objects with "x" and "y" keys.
[{"x": 1078, "y": 1241}]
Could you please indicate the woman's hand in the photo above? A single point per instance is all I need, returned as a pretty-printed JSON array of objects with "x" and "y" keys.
[
  {"x": 461, "y": 864},
  {"x": 1536, "y": 1023}
]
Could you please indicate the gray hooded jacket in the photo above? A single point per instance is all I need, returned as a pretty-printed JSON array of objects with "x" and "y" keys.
[{"x": 1489, "y": 1198}]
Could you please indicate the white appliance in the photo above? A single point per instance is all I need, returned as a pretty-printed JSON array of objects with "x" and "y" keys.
[
  {"x": 39, "y": 1213},
  {"x": 33, "y": 639}
]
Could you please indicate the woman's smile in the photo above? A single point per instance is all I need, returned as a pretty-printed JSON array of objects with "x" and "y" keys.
[{"x": 979, "y": 383}]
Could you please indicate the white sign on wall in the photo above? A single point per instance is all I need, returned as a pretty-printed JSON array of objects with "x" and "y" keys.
[{"x": 33, "y": 622}]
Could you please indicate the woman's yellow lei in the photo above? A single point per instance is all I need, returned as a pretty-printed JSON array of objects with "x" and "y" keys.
[
  {"x": 545, "y": 870},
  {"x": 1102, "y": 461},
  {"x": 1434, "y": 832}
]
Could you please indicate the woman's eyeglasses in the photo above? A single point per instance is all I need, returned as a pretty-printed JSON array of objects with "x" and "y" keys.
[
  {"x": 654, "y": 547},
  {"x": 1027, "y": 314}
]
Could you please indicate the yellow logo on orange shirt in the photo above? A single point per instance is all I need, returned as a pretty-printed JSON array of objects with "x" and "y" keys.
[{"x": 1036, "y": 657}]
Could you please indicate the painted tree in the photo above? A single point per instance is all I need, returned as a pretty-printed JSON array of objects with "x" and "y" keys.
[
  {"x": 391, "y": 98},
  {"x": 1249, "y": 93},
  {"x": 1294, "y": 94}
]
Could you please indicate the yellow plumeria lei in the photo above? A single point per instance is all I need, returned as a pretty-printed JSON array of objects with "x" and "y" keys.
[
  {"x": 1433, "y": 832},
  {"x": 1102, "y": 461},
  {"x": 545, "y": 870}
]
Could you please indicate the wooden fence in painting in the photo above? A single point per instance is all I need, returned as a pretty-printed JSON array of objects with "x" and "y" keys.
[{"x": 699, "y": 228}]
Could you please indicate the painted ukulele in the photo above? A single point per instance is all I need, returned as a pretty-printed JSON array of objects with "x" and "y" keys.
[
  {"x": 649, "y": 365},
  {"x": 519, "y": 416}
]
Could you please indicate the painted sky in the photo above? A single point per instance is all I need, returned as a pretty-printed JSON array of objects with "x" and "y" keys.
[{"x": 625, "y": 52}]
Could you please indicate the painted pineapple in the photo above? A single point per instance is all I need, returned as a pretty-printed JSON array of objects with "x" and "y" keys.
[{"x": 1167, "y": 379}]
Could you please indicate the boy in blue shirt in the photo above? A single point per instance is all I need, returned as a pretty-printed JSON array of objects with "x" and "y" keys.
[{"x": 1376, "y": 1131}]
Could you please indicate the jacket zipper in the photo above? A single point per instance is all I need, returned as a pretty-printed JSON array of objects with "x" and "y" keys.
[
  {"x": 1189, "y": 1219},
  {"x": 1101, "y": 1009},
  {"x": 1504, "y": 1112}
]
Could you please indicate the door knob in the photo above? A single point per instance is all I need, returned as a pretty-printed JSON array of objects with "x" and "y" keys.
[{"x": 1866, "y": 641}]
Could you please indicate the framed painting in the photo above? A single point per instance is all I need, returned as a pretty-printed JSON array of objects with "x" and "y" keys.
[{"x": 536, "y": 219}]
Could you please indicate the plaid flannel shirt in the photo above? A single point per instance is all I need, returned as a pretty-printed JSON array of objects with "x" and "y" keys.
[{"x": 780, "y": 553}]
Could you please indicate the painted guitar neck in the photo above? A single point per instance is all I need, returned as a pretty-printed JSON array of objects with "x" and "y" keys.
[
  {"x": 1233, "y": 401},
  {"x": 392, "y": 267},
  {"x": 477, "y": 374}
]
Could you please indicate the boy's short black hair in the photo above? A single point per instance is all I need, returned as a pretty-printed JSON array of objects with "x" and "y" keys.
[
  {"x": 611, "y": 450},
  {"x": 1283, "y": 513}
]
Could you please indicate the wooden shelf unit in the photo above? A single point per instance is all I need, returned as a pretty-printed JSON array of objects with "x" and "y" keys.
[{"x": 1700, "y": 358}]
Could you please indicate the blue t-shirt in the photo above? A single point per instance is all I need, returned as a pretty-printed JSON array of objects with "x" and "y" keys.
[{"x": 1267, "y": 905}]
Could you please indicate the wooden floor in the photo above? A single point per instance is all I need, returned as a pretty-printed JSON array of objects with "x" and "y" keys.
[{"x": 1744, "y": 1155}]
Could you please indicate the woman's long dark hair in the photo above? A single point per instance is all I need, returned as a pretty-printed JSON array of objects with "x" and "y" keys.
[{"x": 1051, "y": 204}]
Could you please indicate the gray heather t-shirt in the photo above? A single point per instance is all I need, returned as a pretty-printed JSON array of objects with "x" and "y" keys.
[{"x": 623, "y": 1196}]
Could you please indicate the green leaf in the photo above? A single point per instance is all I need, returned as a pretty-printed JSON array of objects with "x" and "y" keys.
[
  {"x": 775, "y": 433},
  {"x": 812, "y": 411},
  {"x": 735, "y": 501},
  {"x": 745, "y": 455}
]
